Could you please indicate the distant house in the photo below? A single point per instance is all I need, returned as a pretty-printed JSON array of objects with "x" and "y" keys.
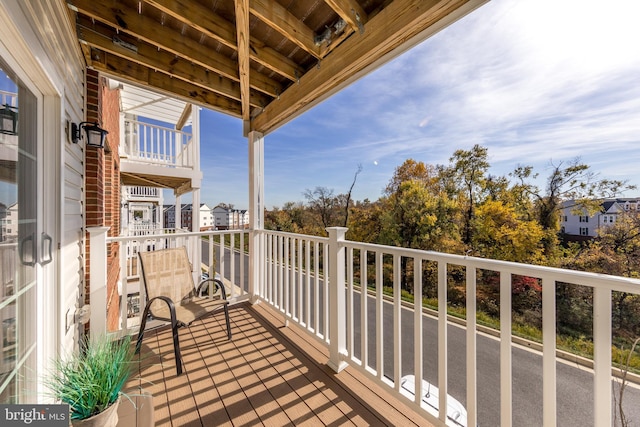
[
  {"x": 186, "y": 216},
  {"x": 230, "y": 219},
  {"x": 580, "y": 224}
]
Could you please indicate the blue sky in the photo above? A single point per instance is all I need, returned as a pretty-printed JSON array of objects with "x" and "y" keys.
[{"x": 534, "y": 81}]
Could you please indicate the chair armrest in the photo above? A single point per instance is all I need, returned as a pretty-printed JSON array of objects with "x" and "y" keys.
[{"x": 218, "y": 284}]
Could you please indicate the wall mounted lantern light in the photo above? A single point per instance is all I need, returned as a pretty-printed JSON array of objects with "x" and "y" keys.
[
  {"x": 95, "y": 134},
  {"x": 9, "y": 120}
]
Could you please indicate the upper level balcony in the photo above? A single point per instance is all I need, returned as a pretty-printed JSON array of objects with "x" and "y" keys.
[
  {"x": 312, "y": 315},
  {"x": 160, "y": 141}
]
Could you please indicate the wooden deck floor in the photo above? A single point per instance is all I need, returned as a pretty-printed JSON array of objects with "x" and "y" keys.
[{"x": 266, "y": 375}]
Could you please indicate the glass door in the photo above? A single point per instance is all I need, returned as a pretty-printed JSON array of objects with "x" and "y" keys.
[{"x": 19, "y": 238}]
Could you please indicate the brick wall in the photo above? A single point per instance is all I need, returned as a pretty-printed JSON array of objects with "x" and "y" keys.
[{"x": 102, "y": 177}]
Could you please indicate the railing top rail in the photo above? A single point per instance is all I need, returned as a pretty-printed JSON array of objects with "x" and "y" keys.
[
  {"x": 616, "y": 283},
  {"x": 178, "y": 232},
  {"x": 151, "y": 125},
  {"x": 296, "y": 235}
]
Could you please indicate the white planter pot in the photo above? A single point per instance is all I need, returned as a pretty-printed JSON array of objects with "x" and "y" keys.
[{"x": 106, "y": 418}]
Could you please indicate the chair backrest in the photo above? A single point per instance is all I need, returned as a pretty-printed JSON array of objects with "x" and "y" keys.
[{"x": 167, "y": 273}]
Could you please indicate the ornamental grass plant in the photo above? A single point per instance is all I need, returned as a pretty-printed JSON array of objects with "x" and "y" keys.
[{"x": 92, "y": 380}]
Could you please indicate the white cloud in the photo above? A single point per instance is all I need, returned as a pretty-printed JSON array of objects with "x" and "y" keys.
[{"x": 533, "y": 81}]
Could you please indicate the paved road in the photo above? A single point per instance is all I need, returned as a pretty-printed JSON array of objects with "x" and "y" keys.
[{"x": 574, "y": 384}]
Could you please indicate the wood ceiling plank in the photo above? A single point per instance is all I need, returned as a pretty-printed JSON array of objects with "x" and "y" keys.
[
  {"x": 399, "y": 26},
  {"x": 202, "y": 19},
  {"x": 242, "y": 29},
  {"x": 150, "y": 31},
  {"x": 281, "y": 20},
  {"x": 124, "y": 69},
  {"x": 149, "y": 56}
]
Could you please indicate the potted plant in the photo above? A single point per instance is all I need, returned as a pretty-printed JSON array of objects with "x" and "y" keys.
[{"x": 91, "y": 381}]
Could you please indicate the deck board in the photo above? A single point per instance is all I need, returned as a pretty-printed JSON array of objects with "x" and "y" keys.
[{"x": 267, "y": 375}]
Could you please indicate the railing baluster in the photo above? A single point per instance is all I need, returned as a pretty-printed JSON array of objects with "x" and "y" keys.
[
  {"x": 316, "y": 275},
  {"x": 417, "y": 329},
  {"x": 397, "y": 332},
  {"x": 364, "y": 323},
  {"x": 299, "y": 284},
  {"x": 549, "y": 352},
  {"x": 602, "y": 356},
  {"x": 308, "y": 283},
  {"x": 506, "y": 383},
  {"x": 379, "y": 320},
  {"x": 349, "y": 302},
  {"x": 472, "y": 384},
  {"x": 442, "y": 341},
  {"x": 232, "y": 263},
  {"x": 286, "y": 277}
]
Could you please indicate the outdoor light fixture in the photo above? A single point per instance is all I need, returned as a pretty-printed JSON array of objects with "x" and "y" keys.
[
  {"x": 9, "y": 120},
  {"x": 95, "y": 134}
]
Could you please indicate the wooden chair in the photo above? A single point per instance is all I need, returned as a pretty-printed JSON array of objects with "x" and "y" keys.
[{"x": 171, "y": 295}]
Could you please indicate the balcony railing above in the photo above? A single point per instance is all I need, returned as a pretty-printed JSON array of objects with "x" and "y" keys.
[
  {"x": 139, "y": 192},
  {"x": 160, "y": 145}
]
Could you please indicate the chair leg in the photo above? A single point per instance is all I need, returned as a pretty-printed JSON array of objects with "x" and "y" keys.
[
  {"x": 145, "y": 314},
  {"x": 226, "y": 316},
  {"x": 176, "y": 341}
]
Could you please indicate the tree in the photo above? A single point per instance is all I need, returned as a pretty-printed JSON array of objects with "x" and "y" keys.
[
  {"x": 348, "y": 196},
  {"x": 410, "y": 170},
  {"x": 501, "y": 234},
  {"x": 470, "y": 168},
  {"x": 571, "y": 182},
  {"x": 324, "y": 204}
]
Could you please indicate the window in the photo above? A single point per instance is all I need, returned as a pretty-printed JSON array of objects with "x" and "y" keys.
[
  {"x": 584, "y": 231},
  {"x": 605, "y": 219},
  {"x": 562, "y": 229},
  {"x": 611, "y": 218},
  {"x": 583, "y": 218}
]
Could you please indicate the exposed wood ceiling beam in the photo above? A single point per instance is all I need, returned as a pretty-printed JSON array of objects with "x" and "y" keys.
[
  {"x": 202, "y": 19},
  {"x": 184, "y": 117},
  {"x": 280, "y": 19},
  {"x": 400, "y": 25},
  {"x": 242, "y": 28},
  {"x": 150, "y": 31},
  {"x": 350, "y": 11},
  {"x": 149, "y": 56},
  {"x": 124, "y": 69}
]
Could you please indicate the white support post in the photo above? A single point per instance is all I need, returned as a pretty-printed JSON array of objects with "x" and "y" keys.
[
  {"x": 178, "y": 213},
  {"x": 256, "y": 212},
  {"x": 337, "y": 299},
  {"x": 98, "y": 279},
  {"x": 602, "y": 356},
  {"x": 196, "y": 246}
]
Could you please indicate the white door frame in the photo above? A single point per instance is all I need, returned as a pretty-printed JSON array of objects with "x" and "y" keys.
[{"x": 16, "y": 42}]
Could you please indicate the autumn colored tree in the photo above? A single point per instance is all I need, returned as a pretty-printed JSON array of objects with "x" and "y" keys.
[
  {"x": 501, "y": 234},
  {"x": 470, "y": 168}
]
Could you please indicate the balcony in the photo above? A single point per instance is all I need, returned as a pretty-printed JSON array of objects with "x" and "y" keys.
[
  {"x": 312, "y": 286},
  {"x": 159, "y": 155}
]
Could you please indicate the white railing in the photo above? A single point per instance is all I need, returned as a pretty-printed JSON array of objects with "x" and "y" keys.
[
  {"x": 157, "y": 144},
  {"x": 146, "y": 228},
  {"x": 316, "y": 283},
  {"x": 221, "y": 252},
  {"x": 142, "y": 192},
  {"x": 294, "y": 282}
]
